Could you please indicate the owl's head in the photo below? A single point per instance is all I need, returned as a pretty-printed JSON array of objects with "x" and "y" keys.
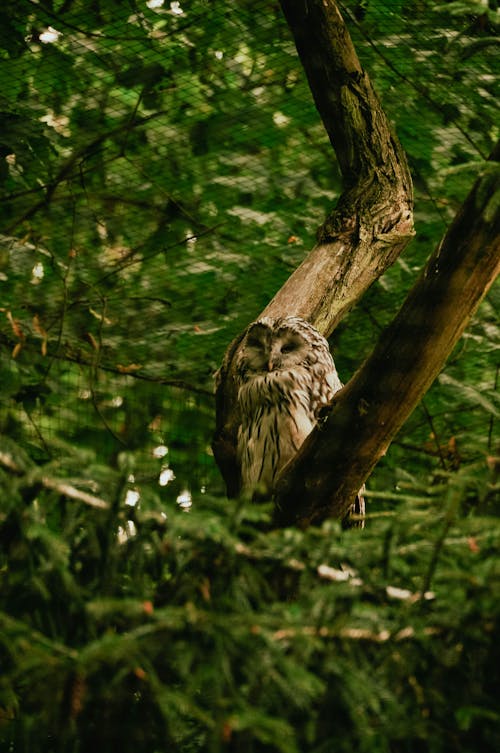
[{"x": 273, "y": 345}]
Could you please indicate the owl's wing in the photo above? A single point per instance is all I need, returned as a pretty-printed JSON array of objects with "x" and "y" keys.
[{"x": 325, "y": 386}]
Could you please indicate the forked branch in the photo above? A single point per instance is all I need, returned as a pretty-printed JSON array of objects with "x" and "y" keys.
[{"x": 372, "y": 222}]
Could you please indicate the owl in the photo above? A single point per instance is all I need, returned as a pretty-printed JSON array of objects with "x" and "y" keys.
[{"x": 285, "y": 375}]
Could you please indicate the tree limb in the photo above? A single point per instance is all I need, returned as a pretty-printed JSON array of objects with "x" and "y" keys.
[
  {"x": 372, "y": 222},
  {"x": 323, "y": 478}
]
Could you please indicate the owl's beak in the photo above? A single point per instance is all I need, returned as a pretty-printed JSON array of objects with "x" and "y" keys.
[
  {"x": 272, "y": 363},
  {"x": 273, "y": 360}
]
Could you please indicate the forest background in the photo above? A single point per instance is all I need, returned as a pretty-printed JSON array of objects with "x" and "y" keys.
[{"x": 163, "y": 171}]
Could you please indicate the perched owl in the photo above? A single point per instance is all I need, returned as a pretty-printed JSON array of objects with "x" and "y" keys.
[{"x": 285, "y": 376}]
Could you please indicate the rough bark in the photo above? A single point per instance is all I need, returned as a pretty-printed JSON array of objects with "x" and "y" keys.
[
  {"x": 322, "y": 480},
  {"x": 372, "y": 221}
]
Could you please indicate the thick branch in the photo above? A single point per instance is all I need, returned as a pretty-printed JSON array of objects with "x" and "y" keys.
[
  {"x": 372, "y": 222},
  {"x": 322, "y": 480},
  {"x": 344, "y": 97}
]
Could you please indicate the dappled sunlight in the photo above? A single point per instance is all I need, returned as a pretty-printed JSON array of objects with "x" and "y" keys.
[
  {"x": 166, "y": 476},
  {"x": 132, "y": 497},
  {"x": 49, "y": 36},
  {"x": 160, "y": 451},
  {"x": 37, "y": 273},
  {"x": 126, "y": 532},
  {"x": 184, "y": 500}
]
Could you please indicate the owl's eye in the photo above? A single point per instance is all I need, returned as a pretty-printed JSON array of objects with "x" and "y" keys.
[
  {"x": 253, "y": 342},
  {"x": 288, "y": 347}
]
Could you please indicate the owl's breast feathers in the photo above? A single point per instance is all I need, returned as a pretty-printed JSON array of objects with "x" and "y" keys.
[
  {"x": 278, "y": 411},
  {"x": 285, "y": 376}
]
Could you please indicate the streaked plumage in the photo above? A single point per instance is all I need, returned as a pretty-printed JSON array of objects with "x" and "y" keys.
[{"x": 285, "y": 376}]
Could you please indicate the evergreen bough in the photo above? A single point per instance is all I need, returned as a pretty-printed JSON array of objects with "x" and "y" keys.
[{"x": 207, "y": 630}]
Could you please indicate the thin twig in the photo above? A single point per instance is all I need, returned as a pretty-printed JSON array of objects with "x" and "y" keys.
[
  {"x": 351, "y": 633},
  {"x": 67, "y": 490},
  {"x": 59, "y": 485},
  {"x": 438, "y": 546},
  {"x": 415, "y": 86},
  {"x": 66, "y": 170},
  {"x": 434, "y": 434},
  {"x": 82, "y": 360}
]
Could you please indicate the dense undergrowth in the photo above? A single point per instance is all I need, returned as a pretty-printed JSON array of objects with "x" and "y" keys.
[{"x": 160, "y": 628}]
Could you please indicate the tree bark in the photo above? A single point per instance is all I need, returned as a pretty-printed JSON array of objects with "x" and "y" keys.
[
  {"x": 337, "y": 457},
  {"x": 372, "y": 222}
]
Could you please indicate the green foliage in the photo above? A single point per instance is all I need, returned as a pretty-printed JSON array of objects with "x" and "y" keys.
[
  {"x": 152, "y": 627},
  {"x": 162, "y": 171}
]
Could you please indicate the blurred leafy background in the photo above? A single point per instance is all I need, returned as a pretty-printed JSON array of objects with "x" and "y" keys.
[{"x": 163, "y": 170}]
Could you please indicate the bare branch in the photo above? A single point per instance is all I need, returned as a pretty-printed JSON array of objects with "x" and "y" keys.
[
  {"x": 59, "y": 485},
  {"x": 68, "y": 168}
]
